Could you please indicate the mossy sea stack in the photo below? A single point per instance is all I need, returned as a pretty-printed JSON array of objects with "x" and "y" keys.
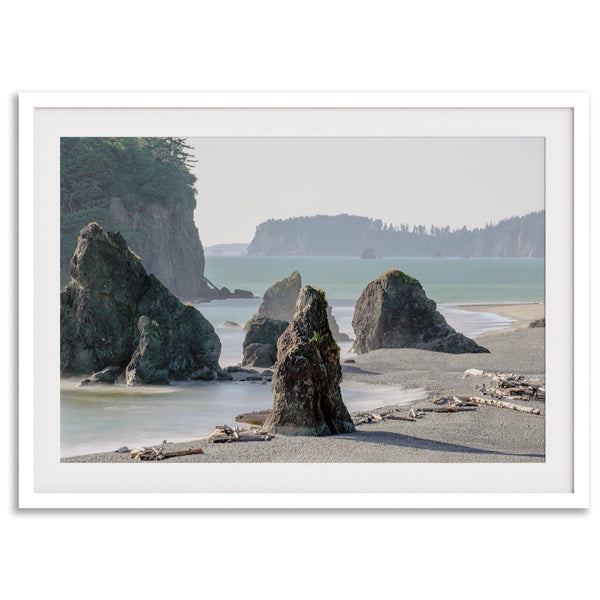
[
  {"x": 394, "y": 312},
  {"x": 100, "y": 311},
  {"x": 306, "y": 383}
]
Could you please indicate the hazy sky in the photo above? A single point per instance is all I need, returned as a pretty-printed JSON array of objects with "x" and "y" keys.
[{"x": 430, "y": 181}]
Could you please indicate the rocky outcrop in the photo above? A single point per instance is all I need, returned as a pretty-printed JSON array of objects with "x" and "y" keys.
[
  {"x": 306, "y": 382},
  {"x": 101, "y": 308},
  {"x": 167, "y": 239},
  {"x": 338, "y": 336},
  {"x": 106, "y": 376},
  {"x": 279, "y": 302},
  {"x": 537, "y": 323},
  {"x": 260, "y": 343},
  {"x": 149, "y": 363},
  {"x": 394, "y": 312}
]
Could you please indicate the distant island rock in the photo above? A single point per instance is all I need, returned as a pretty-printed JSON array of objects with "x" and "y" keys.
[
  {"x": 225, "y": 293},
  {"x": 226, "y": 250},
  {"x": 307, "y": 399},
  {"x": 341, "y": 235},
  {"x": 114, "y": 314},
  {"x": 368, "y": 253},
  {"x": 394, "y": 312}
]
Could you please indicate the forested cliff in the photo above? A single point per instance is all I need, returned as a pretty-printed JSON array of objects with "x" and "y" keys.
[
  {"x": 142, "y": 187},
  {"x": 349, "y": 235}
]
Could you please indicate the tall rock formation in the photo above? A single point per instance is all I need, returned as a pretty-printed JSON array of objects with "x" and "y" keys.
[
  {"x": 101, "y": 308},
  {"x": 394, "y": 312},
  {"x": 306, "y": 383},
  {"x": 279, "y": 302}
]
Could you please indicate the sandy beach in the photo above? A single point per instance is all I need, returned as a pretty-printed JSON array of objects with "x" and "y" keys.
[
  {"x": 486, "y": 434},
  {"x": 523, "y": 314}
]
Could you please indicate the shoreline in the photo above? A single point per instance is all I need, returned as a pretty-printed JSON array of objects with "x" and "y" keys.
[
  {"x": 487, "y": 434},
  {"x": 521, "y": 313}
]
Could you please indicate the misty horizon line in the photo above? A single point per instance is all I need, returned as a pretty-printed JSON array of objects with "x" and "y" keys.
[{"x": 408, "y": 226}]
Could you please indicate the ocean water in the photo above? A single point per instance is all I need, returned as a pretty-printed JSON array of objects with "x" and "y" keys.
[
  {"x": 445, "y": 280},
  {"x": 105, "y": 418}
]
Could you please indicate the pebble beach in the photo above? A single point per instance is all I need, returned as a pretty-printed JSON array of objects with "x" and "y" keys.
[{"x": 486, "y": 434}]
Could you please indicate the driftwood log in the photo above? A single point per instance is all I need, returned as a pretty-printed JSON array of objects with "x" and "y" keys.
[
  {"x": 361, "y": 418},
  {"x": 257, "y": 417},
  {"x": 510, "y": 386},
  {"x": 186, "y": 452},
  {"x": 224, "y": 434},
  {"x": 152, "y": 453},
  {"x": 464, "y": 403},
  {"x": 502, "y": 404}
]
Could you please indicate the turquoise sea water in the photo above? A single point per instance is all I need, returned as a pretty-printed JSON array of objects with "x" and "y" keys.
[
  {"x": 445, "y": 280},
  {"x": 105, "y": 418}
]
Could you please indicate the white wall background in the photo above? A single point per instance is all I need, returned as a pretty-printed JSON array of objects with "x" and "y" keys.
[{"x": 463, "y": 45}]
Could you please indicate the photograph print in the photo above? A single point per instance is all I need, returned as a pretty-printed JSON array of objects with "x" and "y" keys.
[{"x": 302, "y": 300}]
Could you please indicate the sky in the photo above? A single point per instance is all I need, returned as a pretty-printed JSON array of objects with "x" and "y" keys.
[{"x": 418, "y": 181}]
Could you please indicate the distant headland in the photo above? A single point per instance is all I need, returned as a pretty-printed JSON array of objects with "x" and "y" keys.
[{"x": 349, "y": 235}]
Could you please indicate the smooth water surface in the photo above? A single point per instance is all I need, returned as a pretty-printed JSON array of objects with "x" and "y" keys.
[
  {"x": 445, "y": 280},
  {"x": 105, "y": 418}
]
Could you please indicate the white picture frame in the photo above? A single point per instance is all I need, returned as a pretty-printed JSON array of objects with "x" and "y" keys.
[{"x": 562, "y": 118}]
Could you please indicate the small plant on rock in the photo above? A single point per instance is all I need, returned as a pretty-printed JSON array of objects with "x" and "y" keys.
[{"x": 317, "y": 338}]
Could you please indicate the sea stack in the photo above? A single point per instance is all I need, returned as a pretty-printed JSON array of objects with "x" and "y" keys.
[
  {"x": 260, "y": 343},
  {"x": 394, "y": 312},
  {"x": 102, "y": 313},
  {"x": 306, "y": 383},
  {"x": 279, "y": 302}
]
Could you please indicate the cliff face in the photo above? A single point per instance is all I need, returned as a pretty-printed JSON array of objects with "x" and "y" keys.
[
  {"x": 166, "y": 239},
  {"x": 144, "y": 188}
]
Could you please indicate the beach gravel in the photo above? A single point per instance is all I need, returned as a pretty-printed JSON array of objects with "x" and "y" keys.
[{"x": 487, "y": 434}]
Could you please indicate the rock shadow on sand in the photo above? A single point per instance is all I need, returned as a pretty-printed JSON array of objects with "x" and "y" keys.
[
  {"x": 357, "y": 370},
  {"x": 390, "y": 438}
]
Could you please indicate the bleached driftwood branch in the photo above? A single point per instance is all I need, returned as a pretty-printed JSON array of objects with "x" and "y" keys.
[
  {"x": 152, "y": 453},
  {"x": 224, "y": 434},
  {"x": 501, "y": 404},
  {"x": 510, "y": 385},
  {"x": 361, "y": 418}
]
